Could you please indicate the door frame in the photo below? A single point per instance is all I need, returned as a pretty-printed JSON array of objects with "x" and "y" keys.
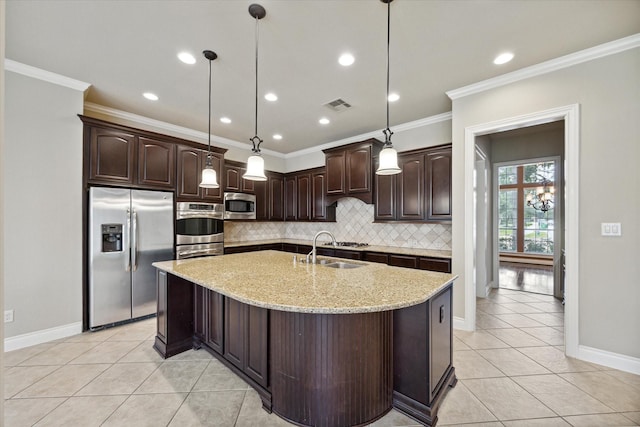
[
  {"x": 571, "y": 116},
  {"x": 557, "y": 215}
]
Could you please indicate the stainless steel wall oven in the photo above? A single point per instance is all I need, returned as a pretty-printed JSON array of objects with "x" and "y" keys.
[{"x": 199, "y": 229}]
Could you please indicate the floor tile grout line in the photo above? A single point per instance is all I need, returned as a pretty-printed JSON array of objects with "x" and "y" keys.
[
  {"x": 480, "y": 400},
  {"x": 235, "y": 422}
]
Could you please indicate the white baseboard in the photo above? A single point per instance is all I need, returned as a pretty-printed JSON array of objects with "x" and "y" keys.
[
  {"x": 39, "y": 337},
  {"x": 609, "y": 359},
  {"x": 460, "y": 323}
]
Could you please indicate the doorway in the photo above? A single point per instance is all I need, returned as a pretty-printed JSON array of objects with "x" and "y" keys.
[
  {"x": 528, "y": 219},
  {"x": 569, "y": 115}
]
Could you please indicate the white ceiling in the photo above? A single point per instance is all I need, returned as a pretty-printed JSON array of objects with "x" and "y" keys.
[{"x": 124, "y": 48}]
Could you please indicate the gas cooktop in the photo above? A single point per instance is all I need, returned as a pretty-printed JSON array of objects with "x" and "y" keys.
[{"x": 351, "y": 244}]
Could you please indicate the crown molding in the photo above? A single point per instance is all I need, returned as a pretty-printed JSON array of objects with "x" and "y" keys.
[
  {"x": 175, "y": 129},
  {"x": 399, "y": 128},
  {"x": 579, "y": 57},
  {"x": 47, "y": 76}
]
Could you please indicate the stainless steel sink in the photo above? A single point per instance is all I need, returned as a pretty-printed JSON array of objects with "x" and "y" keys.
[{"x": 341, "y": 264}]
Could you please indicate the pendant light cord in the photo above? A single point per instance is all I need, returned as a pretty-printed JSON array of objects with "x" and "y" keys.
[
  {"x": 209, "y": 133},
  {"x": 387, "y": 132},
  {"x": 256, "y": 147}
]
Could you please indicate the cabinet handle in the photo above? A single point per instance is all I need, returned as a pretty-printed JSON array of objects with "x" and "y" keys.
[{"x": 441, "y": 313}]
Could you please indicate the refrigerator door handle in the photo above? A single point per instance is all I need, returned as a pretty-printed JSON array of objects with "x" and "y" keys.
[
  {"x": 134, "y": 244},
  {"x": 127, "y": 243}
]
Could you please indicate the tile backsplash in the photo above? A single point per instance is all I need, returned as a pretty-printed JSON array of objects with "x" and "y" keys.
[{"x": 354, "y": 223}]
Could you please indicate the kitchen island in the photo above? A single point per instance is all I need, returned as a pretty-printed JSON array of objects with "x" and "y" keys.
[{"x": 322, "y": 346}]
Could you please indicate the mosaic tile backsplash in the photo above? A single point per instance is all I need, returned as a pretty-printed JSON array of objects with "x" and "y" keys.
[{"x": 354, "y": 223}]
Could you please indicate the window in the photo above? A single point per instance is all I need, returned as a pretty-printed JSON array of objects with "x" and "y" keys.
[{"x": 523, "y": 229}]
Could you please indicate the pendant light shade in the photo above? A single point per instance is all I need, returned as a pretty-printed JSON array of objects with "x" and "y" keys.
[
  {"x": 255, "y": 169},
  {"x": 255, "y": 163},
  {"x": 209, "y": 176},
  {"x": 388, "y": 156}
]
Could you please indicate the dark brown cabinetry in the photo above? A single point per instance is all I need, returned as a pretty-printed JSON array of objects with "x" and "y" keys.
[
  {"x": 234, "y": 182},
  {"x": 156, "y": 163},
  {"x": 290, "y": 198},
  {"x": 276, "y": 196},
  {"x": 320, "y": 211},
  {"x": 191, "y": 161},
  {"x": 350, "y": 170},
  {"x": 306, "y": 197},
  {"x": 421, "y": 193},
  {"x": 112, "y": 155},
  {"x": 175, "y": 322},
  {"x": 209, "y": 317},
  {"x": 442, "y": 265},
  {"x": 422, "y": 350}
]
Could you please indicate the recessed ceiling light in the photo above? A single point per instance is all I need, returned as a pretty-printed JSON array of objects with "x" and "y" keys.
[
  {"x": 277, "y": 136},
  {"x": 324, "y": 121},
  {"x": 503, "y": 58},
  {"x": 225, "y": 120},
  {"x": 150, "y": 96},
  {"x": 393, "y": 97},
  {"x": 346, "y": 59},
  {"x": 271, "y": 97},
  {"x": 187, "y": 58}
]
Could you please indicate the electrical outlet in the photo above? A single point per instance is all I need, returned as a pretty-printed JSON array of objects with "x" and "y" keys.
[
  {"x": 8, "y": 316},
  {"x": 611, "y": 229}
]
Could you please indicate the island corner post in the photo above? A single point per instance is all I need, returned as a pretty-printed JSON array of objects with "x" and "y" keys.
[{"x": 318, "y": 369}]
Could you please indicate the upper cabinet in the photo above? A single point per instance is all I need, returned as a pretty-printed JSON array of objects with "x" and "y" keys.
[
  {"x": 421, "y": 192},
  {"x": 305, "y": 196},
  {"x": 350, "y": 170},
  {"x": 234, "y": 182},
  {"x": 191, "y": 161},
  {"x": 118, "y": 155}
]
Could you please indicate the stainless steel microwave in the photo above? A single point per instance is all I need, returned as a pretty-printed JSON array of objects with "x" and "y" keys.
[{"x": 239, "y": 206}]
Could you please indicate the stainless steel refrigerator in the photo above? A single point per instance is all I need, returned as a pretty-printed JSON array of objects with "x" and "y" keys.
[{"x": 128, "y": 230}]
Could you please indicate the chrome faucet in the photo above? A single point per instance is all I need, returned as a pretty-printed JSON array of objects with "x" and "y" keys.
[{"x": 312, "y": 254}]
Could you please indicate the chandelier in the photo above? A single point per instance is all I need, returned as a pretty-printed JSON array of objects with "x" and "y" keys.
[{"x": 543, "y": 198}]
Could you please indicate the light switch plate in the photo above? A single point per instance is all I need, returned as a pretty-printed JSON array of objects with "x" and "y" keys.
[
  {"x": 8, "y": 316},
  {"x": 611, "y": 229}
]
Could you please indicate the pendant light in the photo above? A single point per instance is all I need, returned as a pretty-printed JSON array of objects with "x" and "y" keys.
[
  {"x": 388, "y": 156},
  {"x": 255, "y": 163},
  {"x": 209, "y": 178}
]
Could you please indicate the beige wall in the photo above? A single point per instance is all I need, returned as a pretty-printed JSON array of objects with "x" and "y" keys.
[
  {"x": 2, "y": 103},
  {"x": 42, "y": 184},
  {"x": 608, "y": 92}
]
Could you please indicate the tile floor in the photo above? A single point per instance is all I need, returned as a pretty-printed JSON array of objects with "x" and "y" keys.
[{"x": 512, "y": 372}]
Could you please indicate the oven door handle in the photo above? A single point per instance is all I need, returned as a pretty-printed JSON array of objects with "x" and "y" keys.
[
  {"x": 134, "y": 244},
  {"x": 206, "y": 215}
]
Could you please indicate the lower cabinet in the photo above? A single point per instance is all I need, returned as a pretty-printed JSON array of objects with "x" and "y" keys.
[
  {"x": 175, "y": 323},
  {"x": 422, "y": 350}
]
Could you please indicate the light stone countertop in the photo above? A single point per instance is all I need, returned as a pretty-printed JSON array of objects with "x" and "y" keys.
[
  {"x": 271, "y": 279},
  {"x": 372, "y": 248}
]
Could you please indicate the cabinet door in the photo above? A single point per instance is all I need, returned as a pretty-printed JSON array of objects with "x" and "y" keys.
[
  {"x": 112, "y": 156},
  {"x": 215, "y": 321},
  {"x": 385, "y": 197},
  {"x": 439, "y": 185},
  {"x": 262, "y": 200},
  {"x": 276, "y": 198},
  {"x": 303, "y": 197},
  {"x": 411, "y": 187},
  {"x": 233, "y": 178},
  {"x": 212, "y": 194},
  {"x": 189, "y": 173},
  {"x": 234, "y": 332},
  {"x": 440, "y": 338},
  {"x": 200, "y": 312},
  {"x": 335, "y": 164},
  {"x": 248, "y": 186},
  {"x": 290, "y": 199},
  {"x": 162, "y": 305},
  {"x": 358, "y": 167},
  {"x": 156, "y": 163},
  {"x": 257, "y": 344}
]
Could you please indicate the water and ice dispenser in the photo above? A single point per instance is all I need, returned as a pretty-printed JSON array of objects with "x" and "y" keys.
[{"x": 111, "y": 237}]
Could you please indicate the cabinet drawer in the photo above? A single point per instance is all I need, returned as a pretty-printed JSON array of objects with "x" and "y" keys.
[
  {"x": 403, "y": 261},
  {"x": 435, "y": 264},
  {"x": 376, "y": 257},
  {"x": 341, "y": 253}
]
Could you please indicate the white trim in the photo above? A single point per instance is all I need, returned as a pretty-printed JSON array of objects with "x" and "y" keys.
[
  {"x": 571, "y": 116},
  {"x": 459, "y": 323},
  {"x": 47, "y": 76},
  {"x": 175, "y": 129},
  {"x": 609, "y": 359},
  {"x": 374, "y": 134},
  {"x": 39, "y": 337},
  {"x": 572, "y": 59}
]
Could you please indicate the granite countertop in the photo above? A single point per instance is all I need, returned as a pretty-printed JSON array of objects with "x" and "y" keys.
[
  {"x": 271, "y": 279},
  {"x": 371, "y": 248}
]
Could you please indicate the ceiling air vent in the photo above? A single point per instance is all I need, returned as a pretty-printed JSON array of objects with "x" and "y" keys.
[{"x": 338, "y": 105}]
